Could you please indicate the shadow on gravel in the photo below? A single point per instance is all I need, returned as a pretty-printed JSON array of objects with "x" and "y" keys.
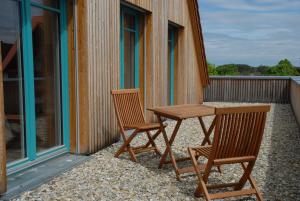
[{"x": 283, "y": 160}]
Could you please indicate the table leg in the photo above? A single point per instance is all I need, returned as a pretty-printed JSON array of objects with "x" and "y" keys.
[
  {"x": 168, "y": 146},
  {"x": 208, "y": 132}
]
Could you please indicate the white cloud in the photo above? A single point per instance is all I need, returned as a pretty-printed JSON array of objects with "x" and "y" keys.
[
  {"x": 239, "y": 36},
  {"x": 254, "y": 5}
]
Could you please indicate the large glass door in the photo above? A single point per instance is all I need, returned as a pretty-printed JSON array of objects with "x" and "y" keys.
[
  {"x": 12, "y": 79},
  {"x": 33, "y": 56}
]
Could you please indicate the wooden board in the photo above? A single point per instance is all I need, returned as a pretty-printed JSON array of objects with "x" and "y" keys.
[
  {"x": 72, "y": 82},
  {"x": 2, "y": 134},
  {"x": 145, "y": 4},
  {"x": 295, "y": 99}
]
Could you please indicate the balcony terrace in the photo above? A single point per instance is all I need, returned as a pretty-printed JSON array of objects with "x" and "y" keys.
[{"x": 104, "y": 177}]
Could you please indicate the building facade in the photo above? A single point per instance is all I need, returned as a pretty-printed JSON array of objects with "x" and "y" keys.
[{"x": 60, "y": 59}]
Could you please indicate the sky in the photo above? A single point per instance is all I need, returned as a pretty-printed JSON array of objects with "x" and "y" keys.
[{"x": 253, "y": 32}]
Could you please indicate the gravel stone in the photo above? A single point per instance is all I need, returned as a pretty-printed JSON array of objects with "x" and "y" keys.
[{"x": 107, "y": 178}]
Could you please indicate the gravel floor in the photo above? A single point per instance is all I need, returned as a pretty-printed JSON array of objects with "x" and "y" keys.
[{"x": 104, "y": 177}]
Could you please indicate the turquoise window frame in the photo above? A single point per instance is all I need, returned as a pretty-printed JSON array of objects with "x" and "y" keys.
[
  {"x": 171, "y": 63},
  {"x": 136, "y": 15},
  {"x": 29, "y": 96}
]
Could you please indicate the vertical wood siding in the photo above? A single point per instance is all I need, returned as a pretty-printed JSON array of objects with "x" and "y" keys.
[
  {"x": 295, "y": 97},
  {"x": 103, "y": 39},
  {"x": 99, "y": 37},
  {"x": 145, "y": 4},
  {"x": 248, "y": 89}
]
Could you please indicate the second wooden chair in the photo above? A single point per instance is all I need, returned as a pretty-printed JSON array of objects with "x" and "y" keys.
[{"x": 237, "y": 138}]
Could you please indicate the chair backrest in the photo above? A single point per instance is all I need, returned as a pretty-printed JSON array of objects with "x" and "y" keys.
[
  {"x": 239, "y": 131},
  {"x": 128, "y": 107}
]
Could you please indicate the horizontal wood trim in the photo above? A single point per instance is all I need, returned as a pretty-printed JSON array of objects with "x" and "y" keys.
[
  {"x": 243, "y": 109},
  {"x": 232, "y": 194}
]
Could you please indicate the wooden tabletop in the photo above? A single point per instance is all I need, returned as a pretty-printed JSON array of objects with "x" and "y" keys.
[{"x": 184, "y": 111}]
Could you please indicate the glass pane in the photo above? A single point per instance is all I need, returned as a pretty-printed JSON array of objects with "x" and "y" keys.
[
  {"x": 129, "y": 42},
  {"x": 12, "y": 78},
  {"x": 50, "y": 3},
  {"x": 46, "y": 45},
  {"x": 129, "y": 21}
]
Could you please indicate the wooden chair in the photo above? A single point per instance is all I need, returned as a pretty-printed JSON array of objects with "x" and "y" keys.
[
  {"x": 237, "y": 139},
  {"x": 130, "y": 116}
]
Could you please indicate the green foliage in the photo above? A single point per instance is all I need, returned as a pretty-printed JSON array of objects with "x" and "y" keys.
[
  {"x": 283, "y": 68},
  {"x": 262, "y": 70},
  {"x": 228, "y": 69},
  {"x": 211, "y": 69}
]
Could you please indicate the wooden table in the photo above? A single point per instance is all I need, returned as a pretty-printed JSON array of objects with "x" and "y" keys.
[{"x": 180, "y": 113}]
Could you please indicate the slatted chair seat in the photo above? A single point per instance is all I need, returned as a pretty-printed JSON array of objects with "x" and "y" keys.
[
  {"x": 130, "y": 116},
  {"x": 144, "y": 126},
  {"x": 238, "y": 134}
]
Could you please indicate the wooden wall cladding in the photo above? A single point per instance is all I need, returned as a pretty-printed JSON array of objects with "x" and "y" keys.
[
  {"x": 99, "y": 63},
  {"x": 145, "y": 4},
  {"x": 103, "y": 41},
  {"x": 295, "y": 98},
  {"x": 72, "y": 83}
]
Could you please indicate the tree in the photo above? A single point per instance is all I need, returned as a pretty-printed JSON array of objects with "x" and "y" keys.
[
  {"x": 228, "y": 69},
  {"x": 262, "y": 70},
  {"x": 211, "y": 69},
  {"x": 283, "y": 68}
]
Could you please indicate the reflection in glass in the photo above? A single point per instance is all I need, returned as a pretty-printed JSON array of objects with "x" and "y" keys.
[
  {"x": 169, "y": 66},
  {"x": 46, "y": 44},
  {"x": 129, "y": 53},
  {"x": 12, "y": 78}
]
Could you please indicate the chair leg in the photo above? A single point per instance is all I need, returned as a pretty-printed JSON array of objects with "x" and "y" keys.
[
  {"x": 132, "y": 154},
  {"x": 153, "y": 137},
  {"x": 152, "y": 143},
  {"x": 201, "y": 186},
  {"x": 126, "y": 145},
  {"x": 253, "y": 185},
  {"x": 245, "y": 176}
]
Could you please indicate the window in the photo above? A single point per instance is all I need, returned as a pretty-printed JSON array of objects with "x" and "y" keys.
[
  {"x": 172, "y": 35},
  {"x": 33, "y": 56},
  {"x": 129, "y": 48}
]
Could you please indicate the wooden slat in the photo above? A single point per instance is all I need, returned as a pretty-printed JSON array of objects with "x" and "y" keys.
[
  {"x": 190, "y": 169},
  {"x": 232, "y": 194},
  {"x": 145, "y": 4},
  {"x": 233, "y": 160},
  {"x": 2, "y": 134}
]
